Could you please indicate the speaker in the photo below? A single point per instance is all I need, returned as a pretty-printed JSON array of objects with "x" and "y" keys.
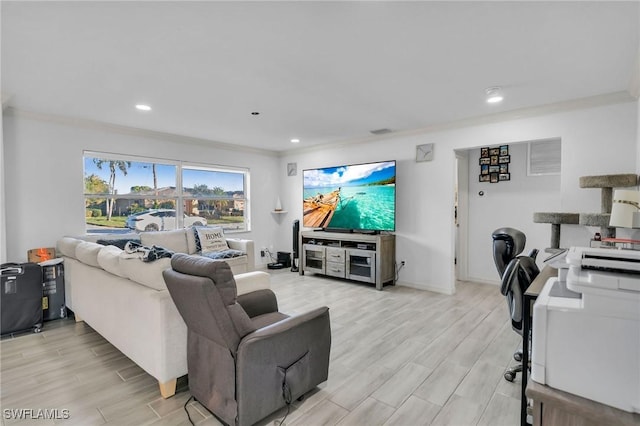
[{"x": 296, "y": 243}]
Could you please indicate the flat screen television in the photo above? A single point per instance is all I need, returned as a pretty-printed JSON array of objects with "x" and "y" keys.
[{"x": 356, "y": 197}]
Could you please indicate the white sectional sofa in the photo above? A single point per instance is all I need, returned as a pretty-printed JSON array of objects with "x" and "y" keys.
[{"x": 126, "y": 300}]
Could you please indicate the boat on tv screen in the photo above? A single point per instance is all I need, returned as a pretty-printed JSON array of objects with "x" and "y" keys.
[{"x": 353, "y": 197}]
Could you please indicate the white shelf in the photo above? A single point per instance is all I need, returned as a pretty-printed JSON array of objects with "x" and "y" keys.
[{"x": 279, "y": 211}]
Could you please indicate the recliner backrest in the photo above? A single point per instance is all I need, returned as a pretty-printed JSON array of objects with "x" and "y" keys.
[
  {"x": 517, "y": 277},
  {"x": 205, "y": 294},
  {"x": 507, "y": 244}
]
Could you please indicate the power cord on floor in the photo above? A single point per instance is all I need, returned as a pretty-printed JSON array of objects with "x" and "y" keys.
[
  {"x": 398, "y": 268},
  {"x": 286, "y": 394},
  {"x": 187, "y": 411},
  {"x": 270, "y": 254}
]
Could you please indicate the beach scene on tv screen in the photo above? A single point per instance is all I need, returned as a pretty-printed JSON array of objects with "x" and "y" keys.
[{"x": 359, "y": 197}]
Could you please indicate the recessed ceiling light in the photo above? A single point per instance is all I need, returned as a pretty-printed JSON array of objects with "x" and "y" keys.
[
  {"x": 143, "y": 107},
  {"x": 494, "y": 95},
  {"x": 295, "y": 140},
  {"x": 383, "y": 131}
]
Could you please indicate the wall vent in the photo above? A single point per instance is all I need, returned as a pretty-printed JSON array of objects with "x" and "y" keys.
[{"x": 544, "y": 157}]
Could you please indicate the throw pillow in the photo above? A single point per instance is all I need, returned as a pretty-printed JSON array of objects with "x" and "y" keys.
[
  {"x": 212, "y": 239},
  {"x": 193, "y": 243}
]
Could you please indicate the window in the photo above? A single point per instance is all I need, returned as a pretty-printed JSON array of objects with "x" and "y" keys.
[
  {"x": 124, "y": 193},
  {"x": 544, "y": 157}
]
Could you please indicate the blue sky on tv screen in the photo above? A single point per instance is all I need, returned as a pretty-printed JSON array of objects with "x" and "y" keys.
[{"x": 352, "y": 175}]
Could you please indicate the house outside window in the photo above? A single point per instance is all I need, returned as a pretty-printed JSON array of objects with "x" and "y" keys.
[{"x": 125, "y": 193}]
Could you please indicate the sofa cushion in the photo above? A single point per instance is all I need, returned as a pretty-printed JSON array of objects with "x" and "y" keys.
[
  {"x": 87, "y": 252},
  {"x": 212, "y": 239},
  {"x": 223, "y": 254},
  {"x": 67, "y": 246},
  {"x": 109, "y": 260},
  {"x": 173, "y": 240},
  {"x": 148, "y": 274}
]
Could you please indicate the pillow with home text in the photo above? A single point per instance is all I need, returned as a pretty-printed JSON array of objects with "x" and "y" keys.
[{"x": 212, "y": 239}]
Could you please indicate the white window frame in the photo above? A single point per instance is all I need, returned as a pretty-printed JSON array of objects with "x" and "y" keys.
[{"x": 180, "y": 196}]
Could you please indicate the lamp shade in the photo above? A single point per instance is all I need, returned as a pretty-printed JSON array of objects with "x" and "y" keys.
[{"x": 625, "y": 206}]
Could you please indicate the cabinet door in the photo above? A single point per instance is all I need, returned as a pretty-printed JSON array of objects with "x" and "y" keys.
[
  {"x": 361, "y": 265},
  {"x": 313, "y": 258}
]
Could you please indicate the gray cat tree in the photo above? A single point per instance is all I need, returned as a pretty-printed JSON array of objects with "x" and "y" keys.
[{"x": 606, "y": 183}]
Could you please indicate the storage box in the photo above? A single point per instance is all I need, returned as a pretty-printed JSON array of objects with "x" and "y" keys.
[{"x": 41, "y": 254}]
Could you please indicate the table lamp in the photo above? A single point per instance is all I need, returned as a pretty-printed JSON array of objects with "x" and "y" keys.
[{"x": 625, "y": 210}]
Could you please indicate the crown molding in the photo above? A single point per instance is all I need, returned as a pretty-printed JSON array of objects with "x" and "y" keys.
[
  {"x": 132, "y": 131},
  {"x": 516, "y": 114}
]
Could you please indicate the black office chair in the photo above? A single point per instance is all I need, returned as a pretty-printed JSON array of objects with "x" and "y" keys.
[
  {"x": 507, "y": 244},
  {"x": 517, "y": 273}
]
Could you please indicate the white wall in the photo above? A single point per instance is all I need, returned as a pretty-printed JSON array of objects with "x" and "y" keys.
[
  {"x": 508, "y": 203},
  {"x": 596, "y": 140},
  {"x": 44, "y": 169}
]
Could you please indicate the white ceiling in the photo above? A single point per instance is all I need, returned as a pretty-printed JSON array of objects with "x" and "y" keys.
[{"x": 324, "y": 72}]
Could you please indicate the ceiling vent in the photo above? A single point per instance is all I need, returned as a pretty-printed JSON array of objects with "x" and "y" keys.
[{"x": 380, "y": 131}]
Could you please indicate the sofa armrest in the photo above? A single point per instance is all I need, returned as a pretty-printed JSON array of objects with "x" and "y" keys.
[
  {"x": 246, "y": 246},
  {"x": 252, "y": 281}
]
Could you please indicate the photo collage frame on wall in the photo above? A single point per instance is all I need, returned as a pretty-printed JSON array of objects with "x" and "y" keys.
[{"x": 494, "y": 164}]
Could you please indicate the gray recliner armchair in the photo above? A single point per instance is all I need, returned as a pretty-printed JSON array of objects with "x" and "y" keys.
[{"x": 245, "y": 359}]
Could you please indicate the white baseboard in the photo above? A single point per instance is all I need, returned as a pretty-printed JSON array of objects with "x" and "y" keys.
[
  {"x": 448, "y": 292},
  {"x": 427, "y": 287},
  {"x": 484, "y": 281}
]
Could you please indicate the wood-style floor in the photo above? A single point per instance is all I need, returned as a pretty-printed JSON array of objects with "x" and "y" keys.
[{"x": 399, "y": 357}]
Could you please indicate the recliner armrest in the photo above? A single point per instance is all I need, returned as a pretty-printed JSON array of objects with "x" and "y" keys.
[
  {"x": 295, "y": 350},
  {"x": 258, "y": 302},
  {"x": 288, "y": 325}
]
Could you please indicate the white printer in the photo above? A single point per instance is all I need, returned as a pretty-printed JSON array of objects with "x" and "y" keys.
[{"x": 586, "y": 339}]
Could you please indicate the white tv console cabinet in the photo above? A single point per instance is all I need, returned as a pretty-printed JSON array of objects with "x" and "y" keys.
[{"x": 369, "y": 258}]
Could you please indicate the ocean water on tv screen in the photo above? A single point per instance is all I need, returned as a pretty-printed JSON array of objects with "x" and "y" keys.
[{"x": 370, "y": 207}]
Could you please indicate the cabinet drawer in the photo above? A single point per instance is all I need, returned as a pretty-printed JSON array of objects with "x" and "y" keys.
[
  {"x": 335, "y": 269},
  {"x": 335, "y": 254}
]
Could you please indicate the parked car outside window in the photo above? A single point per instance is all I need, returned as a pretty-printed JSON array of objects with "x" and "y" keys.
[{"x": 161, "y": 220}]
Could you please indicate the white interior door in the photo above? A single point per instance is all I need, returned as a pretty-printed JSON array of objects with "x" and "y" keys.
[{"x": 461, "y": 222}]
